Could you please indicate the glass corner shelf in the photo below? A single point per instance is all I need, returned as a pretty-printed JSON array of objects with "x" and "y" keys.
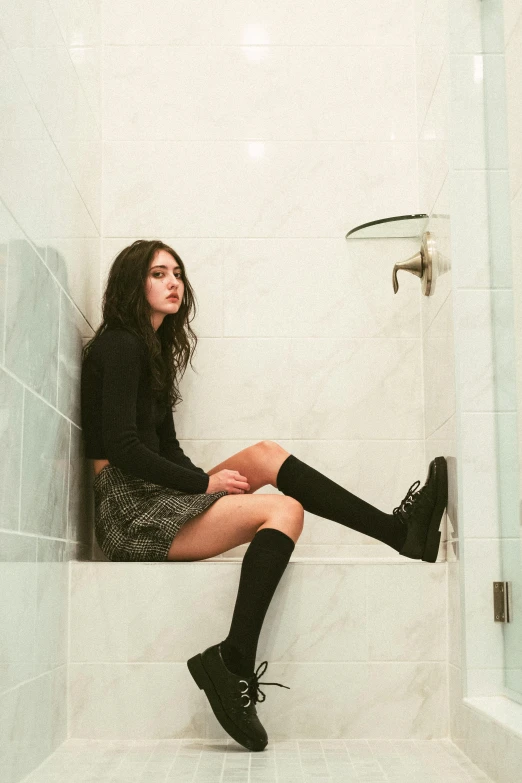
[{"x": 400, "y": 226}]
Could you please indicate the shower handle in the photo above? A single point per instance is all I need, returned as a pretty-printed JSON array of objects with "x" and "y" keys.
[{"x": 421, "y": 264}]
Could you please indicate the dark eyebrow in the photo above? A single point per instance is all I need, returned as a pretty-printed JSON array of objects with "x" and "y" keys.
[{"x": 162, "y": 266}]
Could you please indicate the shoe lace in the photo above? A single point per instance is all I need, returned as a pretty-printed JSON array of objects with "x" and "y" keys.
[
  {"x": 252, "y": 690},
  {"x": 408, "y": 499}
]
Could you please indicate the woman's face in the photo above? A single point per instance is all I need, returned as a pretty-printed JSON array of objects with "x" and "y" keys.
[{"x": 163, "y": 281}]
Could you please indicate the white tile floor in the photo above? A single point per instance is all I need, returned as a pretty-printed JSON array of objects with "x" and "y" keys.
[{"x": 224, "y": 761}]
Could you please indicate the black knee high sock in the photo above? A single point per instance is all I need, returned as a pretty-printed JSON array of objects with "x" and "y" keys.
[
  {"x": 263, "y": 565},
  {"x": 322, "y": 496}
]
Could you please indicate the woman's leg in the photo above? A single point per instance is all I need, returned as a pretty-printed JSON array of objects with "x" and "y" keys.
[
  {"x": 234, "y": 520},
  {"x": 412, "y": 529},
  {"x": 321, "y": 496},
  {"x": 263, "y": 566},
  {"x": 268, "y": 463},
  {"x": 272, "y": 523}
]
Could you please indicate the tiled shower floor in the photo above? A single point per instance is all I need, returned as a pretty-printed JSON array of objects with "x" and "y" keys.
[{"x": 289, "y": 761}]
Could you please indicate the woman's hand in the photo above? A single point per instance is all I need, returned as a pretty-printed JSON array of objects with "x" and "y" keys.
[{"x": 230, "y": 480}]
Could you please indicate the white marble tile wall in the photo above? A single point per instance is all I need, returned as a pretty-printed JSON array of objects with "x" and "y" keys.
[
  {"x": 260, "y": 22},
  {"x": 432, "y": 81},
  {"x": 431, "y": 71},
  {"x": 252, "y": 137},
  {"x": 354, "y": 668},
  {"x": 50, "y": 171}
]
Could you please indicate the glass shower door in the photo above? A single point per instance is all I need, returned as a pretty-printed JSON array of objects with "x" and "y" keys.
[{"x": 505, "y": 256}]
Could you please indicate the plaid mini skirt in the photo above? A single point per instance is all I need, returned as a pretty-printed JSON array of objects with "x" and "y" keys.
[{"x": 137, "y": 520}]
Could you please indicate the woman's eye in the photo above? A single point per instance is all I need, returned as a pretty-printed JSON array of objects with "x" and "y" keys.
[{"x": 178, "y": 274}]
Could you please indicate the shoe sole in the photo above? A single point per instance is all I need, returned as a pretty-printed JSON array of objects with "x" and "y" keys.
[
  {"x": 203, "y": 680},
  {"x": 432, "y": 544}
]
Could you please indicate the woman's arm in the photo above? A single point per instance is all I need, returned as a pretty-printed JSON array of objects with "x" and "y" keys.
[{"x": 121, "y": 373}]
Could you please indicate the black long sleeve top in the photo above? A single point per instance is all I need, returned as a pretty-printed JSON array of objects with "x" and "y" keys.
[{"x": 124, "y": 423}]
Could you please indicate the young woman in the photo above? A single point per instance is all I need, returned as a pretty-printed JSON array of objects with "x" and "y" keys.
[{"x": 153, "y": 503}]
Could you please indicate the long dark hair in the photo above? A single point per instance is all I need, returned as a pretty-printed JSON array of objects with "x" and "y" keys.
[{"x": 124, "y": 304}]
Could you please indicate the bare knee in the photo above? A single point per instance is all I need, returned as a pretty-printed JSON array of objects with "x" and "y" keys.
[
  {"x": 287, "y": 516},
  {"x": 272, "y": 456},
  {"x": 271, "y": 447},
  {"x": 293, "y": 508}
]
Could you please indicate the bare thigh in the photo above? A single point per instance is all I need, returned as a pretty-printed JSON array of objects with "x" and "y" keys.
[{"x": 234, "y": 520}]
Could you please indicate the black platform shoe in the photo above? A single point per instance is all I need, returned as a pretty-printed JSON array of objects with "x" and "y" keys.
[
  {"x": 422, "y": 512},
  {"x": 232, "y": 698}
]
